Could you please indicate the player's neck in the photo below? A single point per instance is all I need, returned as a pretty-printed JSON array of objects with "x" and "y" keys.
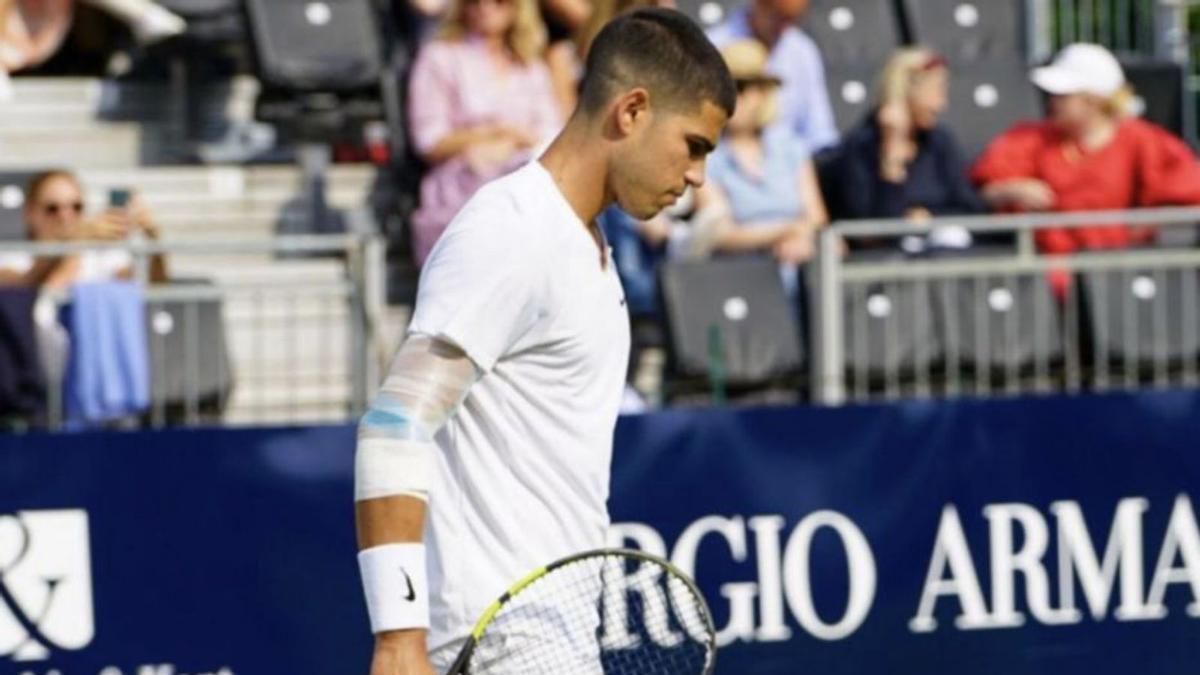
[{"x": 577, "y": 165}]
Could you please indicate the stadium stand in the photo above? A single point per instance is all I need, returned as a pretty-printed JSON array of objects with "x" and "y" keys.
[{"x": 60, "y": 121}]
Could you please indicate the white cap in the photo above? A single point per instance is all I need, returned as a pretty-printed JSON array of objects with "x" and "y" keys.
[{"x": 1081, "y": 69}]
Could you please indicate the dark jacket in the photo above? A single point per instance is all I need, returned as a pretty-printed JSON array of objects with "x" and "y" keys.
[{"x": 937, "y": 181}]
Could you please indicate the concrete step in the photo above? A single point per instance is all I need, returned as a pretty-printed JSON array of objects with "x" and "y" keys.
[{"x": 117, "y": 144}]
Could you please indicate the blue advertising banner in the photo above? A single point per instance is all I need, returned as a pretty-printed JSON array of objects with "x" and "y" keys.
[{"x": 1032, "y": 536}]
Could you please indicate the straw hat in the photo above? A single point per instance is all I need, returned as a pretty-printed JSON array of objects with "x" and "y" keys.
[{"x": 747, "y": 61}]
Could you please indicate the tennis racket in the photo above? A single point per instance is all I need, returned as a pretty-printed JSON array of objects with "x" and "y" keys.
[{"x": 606, "y": 612}]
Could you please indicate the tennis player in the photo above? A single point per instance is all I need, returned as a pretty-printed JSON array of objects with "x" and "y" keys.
[{"x": 486, "y": 452}]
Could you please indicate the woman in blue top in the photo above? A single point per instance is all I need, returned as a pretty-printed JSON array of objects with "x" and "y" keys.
[{"x": 761, "y": 182}]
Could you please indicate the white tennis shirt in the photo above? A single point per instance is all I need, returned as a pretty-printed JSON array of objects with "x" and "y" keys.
[{"x": 523, "y": 472}]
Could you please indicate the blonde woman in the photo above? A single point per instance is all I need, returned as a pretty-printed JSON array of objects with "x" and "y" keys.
[
  {"x": 761, "y": 177},
  {"x": 1088, "y": 154},
  {"x": 901, "y": 161},
  {"x": 480, "y": 99}
]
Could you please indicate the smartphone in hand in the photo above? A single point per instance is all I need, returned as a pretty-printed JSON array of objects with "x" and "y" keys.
[{"x": 118, "y": 198}]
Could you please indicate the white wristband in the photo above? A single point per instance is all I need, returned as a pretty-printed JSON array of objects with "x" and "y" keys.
[{"x": 396, "y": 586}]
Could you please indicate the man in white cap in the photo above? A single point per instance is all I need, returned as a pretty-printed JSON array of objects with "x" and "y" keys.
[{"x": 1090, "y": 153}]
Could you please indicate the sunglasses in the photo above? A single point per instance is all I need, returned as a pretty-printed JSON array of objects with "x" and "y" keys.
[{"x": 55, "y": 208}]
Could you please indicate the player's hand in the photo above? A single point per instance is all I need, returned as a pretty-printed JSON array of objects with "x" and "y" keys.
[{"x": 401, "y": 653}]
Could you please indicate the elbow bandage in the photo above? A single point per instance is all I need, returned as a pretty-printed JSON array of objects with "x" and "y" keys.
[{"x": 426, "y": 383}]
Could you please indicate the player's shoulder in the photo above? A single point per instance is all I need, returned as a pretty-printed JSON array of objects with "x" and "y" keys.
[{"x": 507, "y": 218}]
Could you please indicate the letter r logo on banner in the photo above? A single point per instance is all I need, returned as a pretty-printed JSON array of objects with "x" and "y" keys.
[{"x": 45, "y": 583}]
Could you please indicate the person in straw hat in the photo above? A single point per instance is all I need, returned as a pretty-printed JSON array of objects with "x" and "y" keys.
[{"x": 761, "y": 177}]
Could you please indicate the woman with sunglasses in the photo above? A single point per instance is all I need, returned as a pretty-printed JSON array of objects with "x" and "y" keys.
[
  {"x": 480, "y": 99},
  {"x": 901, "y": 161},
  {"x": 54, "y": 213}
]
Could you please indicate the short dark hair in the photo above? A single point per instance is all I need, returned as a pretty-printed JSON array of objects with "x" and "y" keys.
[{"x": 665, "y": 52}]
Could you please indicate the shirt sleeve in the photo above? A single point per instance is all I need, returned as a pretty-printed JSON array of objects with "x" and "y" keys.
[
  {"x": 480, "y": 288},
  {"x": 432, "y": 96},
  {"x": 820, "y": 130},
  {"x": 1012, "y": 155},
  {"x": 1168, "y": 173}
]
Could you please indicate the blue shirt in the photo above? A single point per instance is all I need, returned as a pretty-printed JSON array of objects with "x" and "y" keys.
[
  {"x": 772, "y": 197},
  {"x": 803, "y": 99}
]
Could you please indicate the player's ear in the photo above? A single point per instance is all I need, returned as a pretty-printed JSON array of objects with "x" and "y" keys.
[{"x": 631, "y": 109}]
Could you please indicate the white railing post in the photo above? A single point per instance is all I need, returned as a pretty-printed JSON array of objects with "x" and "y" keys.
[{"x": 828, "y": 383}]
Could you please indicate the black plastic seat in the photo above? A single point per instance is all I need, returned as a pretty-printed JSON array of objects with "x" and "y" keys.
[
  {"x": 730, "y": 319},
  {"x": 889, "y": 331},
  {"x": 861, "y": 33},
  {"x": 191, "y": 373},
  {"x": 999, "y": 323},
  {"x": 969, "y": 31},
  {"x": 12, "y": 204},
  {"x": 986, "y": 99},
  {"x": 1142, "y": 317}
]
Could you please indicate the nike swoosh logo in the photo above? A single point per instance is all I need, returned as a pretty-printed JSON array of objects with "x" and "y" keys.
[{"x": 412, "y": 594}]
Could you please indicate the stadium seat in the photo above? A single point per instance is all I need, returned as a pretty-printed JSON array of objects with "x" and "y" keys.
[
  {"x": 889, "y": 330},
  {"x": 969, "y": 31},
  {"x": 708, "y": 13},
  {"x": 12, "y": 204},
  {"x": 1142, "y": 317},
  {"x": 851, "y": 92},
  {"x": 986, "y": 99},
  {"x": 999, "y": 323},
  {"x": 324, "y": 71},
  {"x": 1160, "y": 89},
  {"x": 189, "y": 361},
  {"x": 861, "y": 33},
  {"x": 729, "y": 320}
]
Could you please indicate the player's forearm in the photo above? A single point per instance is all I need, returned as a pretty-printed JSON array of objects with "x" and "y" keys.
[
  {"x": 389, "y": 520},
  {"x": 395, "y": 463}
]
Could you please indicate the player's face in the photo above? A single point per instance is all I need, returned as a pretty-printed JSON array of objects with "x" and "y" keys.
[{"x": 665, "y": 157}]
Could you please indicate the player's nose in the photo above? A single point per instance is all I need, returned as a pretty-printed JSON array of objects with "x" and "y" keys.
[{"x": 695, "y": 174}]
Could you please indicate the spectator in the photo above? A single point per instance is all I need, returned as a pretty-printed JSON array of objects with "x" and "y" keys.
[
  {"x": 480, "y": 100},
  {"x": 564, "y": 20},
  {"x": 31, "y": 31},
  {"x": 53, "y": 212},
  {"x": 901, "y": 161},
  {"x": 761, "y": 176},
  {"x": 1089, "y": 154},
  {"x": 803, "y": 100}
]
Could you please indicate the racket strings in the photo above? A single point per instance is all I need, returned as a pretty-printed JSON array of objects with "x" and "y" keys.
[{"x": 603, "y": 615}]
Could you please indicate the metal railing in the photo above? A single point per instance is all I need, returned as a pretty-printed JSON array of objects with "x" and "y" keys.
[
  {"x": 252, "y": 348},
  {"x": 1005, "y": 320}
]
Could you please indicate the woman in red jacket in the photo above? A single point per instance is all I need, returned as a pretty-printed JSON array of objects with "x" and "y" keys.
[{"x": 1089, "y": 154}]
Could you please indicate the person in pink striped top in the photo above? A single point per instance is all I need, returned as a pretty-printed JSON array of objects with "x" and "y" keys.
[{"x": 480, "y": 100}]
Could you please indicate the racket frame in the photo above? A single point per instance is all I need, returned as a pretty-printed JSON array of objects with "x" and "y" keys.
[{"x": 464, "y": 656}]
